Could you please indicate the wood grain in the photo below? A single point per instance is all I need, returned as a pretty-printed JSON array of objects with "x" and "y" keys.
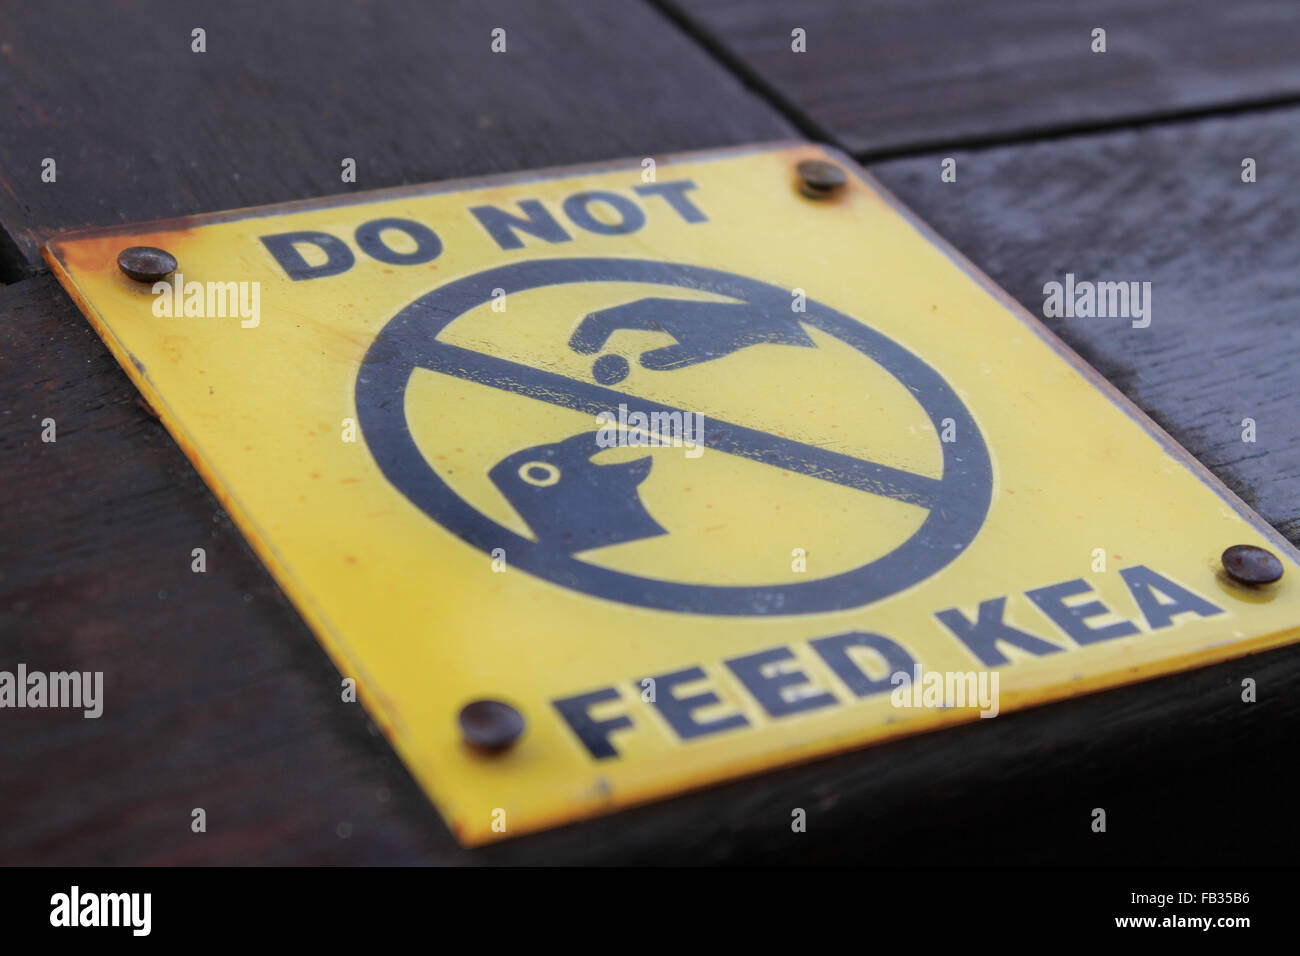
[
  {"x": 1163, "y": 204},
  {"x": 894, "y": 76},
  {"x": 217, "y": 696},
  {"x": 222, "y": 699},
  {"x": 143, "y": 128}
]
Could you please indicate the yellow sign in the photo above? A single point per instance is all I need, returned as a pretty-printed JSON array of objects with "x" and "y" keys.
[{"x": 691, "y": 473}]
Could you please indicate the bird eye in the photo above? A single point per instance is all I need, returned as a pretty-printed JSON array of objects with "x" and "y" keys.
[{"x": 540, "y": 473}]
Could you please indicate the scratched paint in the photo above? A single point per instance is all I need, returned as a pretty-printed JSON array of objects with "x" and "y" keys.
[{"x": 702, "y": 476}]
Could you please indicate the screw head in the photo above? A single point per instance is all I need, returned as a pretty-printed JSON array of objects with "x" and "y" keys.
[
  {"x": 146, "y": 263},
  {"x": 490, "y": 726},
  {"x": 1248, "y": 564},
  {"x": 819, "y": 179}
]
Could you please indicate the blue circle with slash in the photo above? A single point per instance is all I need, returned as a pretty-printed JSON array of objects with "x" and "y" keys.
[{"x": 957, "y": 503}]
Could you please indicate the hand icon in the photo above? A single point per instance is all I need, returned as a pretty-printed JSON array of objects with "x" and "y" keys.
[{"x": 703, "y": 331}]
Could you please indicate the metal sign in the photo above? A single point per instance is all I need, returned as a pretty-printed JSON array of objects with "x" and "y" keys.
[{"x": 601, "y": 484}]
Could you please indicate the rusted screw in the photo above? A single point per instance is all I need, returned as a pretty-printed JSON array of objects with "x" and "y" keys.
[
  {"x": 819, "y": 179},
  {"x": 490, "y": 725},
  {"x": 146, "y": 263},
  {"x": 1248, "y": 564}
]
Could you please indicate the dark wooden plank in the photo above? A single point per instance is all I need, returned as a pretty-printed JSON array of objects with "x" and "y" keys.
[
  {"x": 905, "y": 75},
  {"x": 234, "y": 706},
  {"x": 1163, "y": 204},
  {"x": 1181, "y": 764},
  {"x": 216, "y": 694},
  {"x": 219, "y": 697},
  {"x": 142, "y": 128},
  {"x": 229, "y": 704}
]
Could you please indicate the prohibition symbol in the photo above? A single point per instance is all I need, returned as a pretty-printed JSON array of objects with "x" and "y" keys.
[{"x": 565, "y": 526}]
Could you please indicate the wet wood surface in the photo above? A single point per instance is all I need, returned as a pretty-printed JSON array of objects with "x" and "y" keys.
[
  {"x": 222, "y": 699},
  {"x": 901, "y": 76}
]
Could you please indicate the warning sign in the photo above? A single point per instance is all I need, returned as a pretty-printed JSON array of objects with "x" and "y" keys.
[{"x": 605, "y": 483}]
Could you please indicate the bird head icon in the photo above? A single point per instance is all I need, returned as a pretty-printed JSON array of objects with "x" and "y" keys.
[{"x": 569, "y": 502}]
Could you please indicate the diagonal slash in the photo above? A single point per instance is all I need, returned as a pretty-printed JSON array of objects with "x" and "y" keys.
[{"x": 738, "y": 440}]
